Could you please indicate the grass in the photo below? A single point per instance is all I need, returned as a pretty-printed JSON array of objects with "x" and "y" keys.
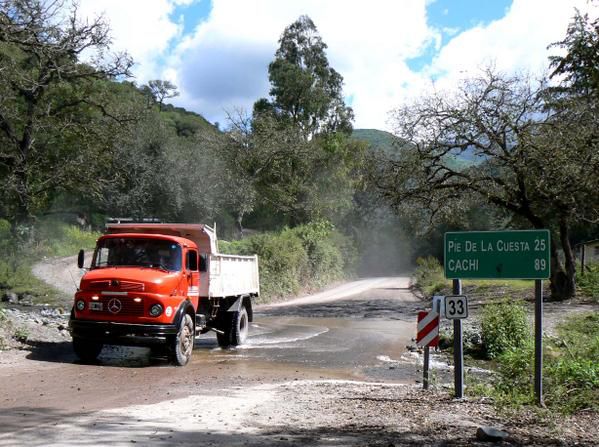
[
  {"x": 51, "y": 238},
  {"x": 571, "y": 369},
  {"x": 570, "y": 373},
  {"x": 16, "y": 277},
  {"x": 57, "y": 239},
  {"x": 588, "y": 284},
  {"x": 430, "y": 279},
  {"x": 490, "y": 284},
  {"x": 3, "y": 328}
]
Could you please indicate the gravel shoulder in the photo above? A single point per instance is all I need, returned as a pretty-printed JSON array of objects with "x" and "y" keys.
[{"x": 298, "y": 413}]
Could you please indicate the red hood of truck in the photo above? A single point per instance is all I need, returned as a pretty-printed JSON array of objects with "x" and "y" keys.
[{"x": 130, "y": 279}]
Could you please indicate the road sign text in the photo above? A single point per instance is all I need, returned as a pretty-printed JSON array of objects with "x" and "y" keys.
[{"x": 497, "y": 254}]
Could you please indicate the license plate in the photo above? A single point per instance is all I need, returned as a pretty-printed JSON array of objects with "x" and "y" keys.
[{"x": 95, "y": 306}]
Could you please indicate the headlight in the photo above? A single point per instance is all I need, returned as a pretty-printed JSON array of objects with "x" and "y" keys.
[
  {"x": 80, "y": 305},
  {"x": 155, "y": 310}
]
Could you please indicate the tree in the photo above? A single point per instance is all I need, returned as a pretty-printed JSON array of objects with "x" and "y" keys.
[
  {"x": 524, "y": 161},
  {"x": 299, "y": 154},
  {"x": 306, "y": 91},
  {"x": 161, "y": 90},
  {"x": 580, "y": 65},
  {"x": 53, "y": 113}
]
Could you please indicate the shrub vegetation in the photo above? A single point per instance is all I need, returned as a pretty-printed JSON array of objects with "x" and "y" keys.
[
  {"x": 294, "y": 259},
  {"x": 570, "y": 373},
  {"x": 588, "y": 283},
  {"x": 504, "y": 328},
  {"x": 429, "y": 275}
]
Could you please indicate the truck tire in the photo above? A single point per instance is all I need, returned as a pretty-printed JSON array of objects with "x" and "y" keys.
[
  {"x": 182, "y": 343},
  {"x": 235, "y": 327},
  {"x": 87, "y": 350}
]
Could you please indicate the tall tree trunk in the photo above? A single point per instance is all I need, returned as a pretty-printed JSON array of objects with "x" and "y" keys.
[
  {"x": 239, "y": 222},
  {"x": 563, "y": 278},
  {"x": 569, "y": 286}
]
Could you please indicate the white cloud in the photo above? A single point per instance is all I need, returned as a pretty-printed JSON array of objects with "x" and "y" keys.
[
  {"x": 515, "y": 43},
  {"x": 223, "y": 63},
  {"x": 368, "y": 45},
  {"x": 141, "y": 27}
]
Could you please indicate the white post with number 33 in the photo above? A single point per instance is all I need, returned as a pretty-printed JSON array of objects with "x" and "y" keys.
[{"x": 456, "y": 307}]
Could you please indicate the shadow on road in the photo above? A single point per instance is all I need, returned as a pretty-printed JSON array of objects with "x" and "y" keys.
[
  {"x": 44, "y": 351},
  {"x": 117, "y": 356}
]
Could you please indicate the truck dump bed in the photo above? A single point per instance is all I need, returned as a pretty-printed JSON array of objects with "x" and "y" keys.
[
  {"x": 232, "y": 275},
  {"x": 225, "y": 275}
]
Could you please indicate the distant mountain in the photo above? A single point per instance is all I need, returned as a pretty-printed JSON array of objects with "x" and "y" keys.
[{"x": 377, "y": 139}]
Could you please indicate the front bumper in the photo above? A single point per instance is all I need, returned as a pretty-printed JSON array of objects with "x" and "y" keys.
[{"x": 122, "y": 333}]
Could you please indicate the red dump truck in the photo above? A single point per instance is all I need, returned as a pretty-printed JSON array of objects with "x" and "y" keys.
[{"x": 162, "y": 285}]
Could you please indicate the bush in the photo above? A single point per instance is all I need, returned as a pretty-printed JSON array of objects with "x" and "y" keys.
[
  {"x": 7, "y": 242},
  {"x": 282, "y": 259},
  {"x": 59, "y": 239},
  {"x": 28, "y": 245},
  {"x": 516, "y": 376},
  {"x": 589, "y": 282},
  {"x": 570, "y": 373},
  {"x": 292, "y": 260},
  {"x": 504, "y": 327},
  {"x": 429, "y": 275}
]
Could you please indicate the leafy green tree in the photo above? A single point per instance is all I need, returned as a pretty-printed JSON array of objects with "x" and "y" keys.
[
  {"x": 299, "y": 153},
  {"x": 53, "y": 113},
  {"x": 580, "y": 65},
  {"x": 306, "y": 91}
]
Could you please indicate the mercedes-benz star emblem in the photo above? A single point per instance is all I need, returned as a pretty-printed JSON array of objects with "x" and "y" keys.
[
  {"x": 115, "y": 283},
  {"x": 114, "y": 306}
]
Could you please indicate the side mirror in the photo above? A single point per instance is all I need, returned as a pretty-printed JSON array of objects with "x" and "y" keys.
[{"x": 80, "y": 259}]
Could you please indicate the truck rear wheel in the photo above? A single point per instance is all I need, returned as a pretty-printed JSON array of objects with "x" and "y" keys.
[
  {"x": 87, "y": 351},
  {"x": 235, "y": 328},
  {"x": 182, "y": 344}
]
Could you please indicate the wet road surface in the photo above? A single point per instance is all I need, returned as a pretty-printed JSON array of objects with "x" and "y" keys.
[{"x": 335, "y": 336}]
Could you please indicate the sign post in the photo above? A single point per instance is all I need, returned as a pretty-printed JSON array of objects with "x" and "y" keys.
[
  {"x": 539, "y": 342},
  {"x": 521, "y": 254},
  {"x": 427, "y": 334},
  {"x": 458, "y": 348}
]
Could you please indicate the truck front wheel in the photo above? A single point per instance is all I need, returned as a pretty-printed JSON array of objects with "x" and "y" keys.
[
  {"x": 235, "y": 328},
  {"x": 182, "y": 344},
  {"x": 87, "y": 351}
]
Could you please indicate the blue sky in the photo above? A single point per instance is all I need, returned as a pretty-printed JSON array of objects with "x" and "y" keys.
[
  {"x": 452, "y": 16},
  {"x": 217, "y": 51}
]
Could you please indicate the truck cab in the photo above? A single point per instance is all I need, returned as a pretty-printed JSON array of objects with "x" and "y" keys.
[{"x": 161, "y": 285}]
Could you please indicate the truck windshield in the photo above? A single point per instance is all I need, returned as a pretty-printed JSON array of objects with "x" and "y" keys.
[{"x": 154, "y": 253}]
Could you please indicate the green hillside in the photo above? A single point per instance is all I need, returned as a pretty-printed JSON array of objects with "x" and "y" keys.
[
  {"x": 377, "y": 139},
  {"x": 184, "y": 122},
  {"x": 380, "y": 140}
]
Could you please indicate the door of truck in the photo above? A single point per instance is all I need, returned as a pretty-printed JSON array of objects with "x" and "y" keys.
[{"x": 193, "y": 276}]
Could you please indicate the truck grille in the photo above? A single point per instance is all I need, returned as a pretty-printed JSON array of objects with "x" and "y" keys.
[
  {"x": 119, "y": 285},
  {"x": 119, "y": 305}
]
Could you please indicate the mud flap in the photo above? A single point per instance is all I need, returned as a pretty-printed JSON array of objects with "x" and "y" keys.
[{"x": 236, "y": 305}]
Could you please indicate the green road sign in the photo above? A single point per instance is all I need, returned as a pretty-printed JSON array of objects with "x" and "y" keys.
[{"x": 497, "y": 254}]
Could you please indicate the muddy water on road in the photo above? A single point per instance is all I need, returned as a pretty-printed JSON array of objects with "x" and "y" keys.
[
  {"x": 286, "y": 343},
  {"x": 347, "y": 348}
]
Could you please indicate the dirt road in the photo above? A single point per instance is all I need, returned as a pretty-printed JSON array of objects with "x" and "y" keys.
[{"x": 330, "y": 369}]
